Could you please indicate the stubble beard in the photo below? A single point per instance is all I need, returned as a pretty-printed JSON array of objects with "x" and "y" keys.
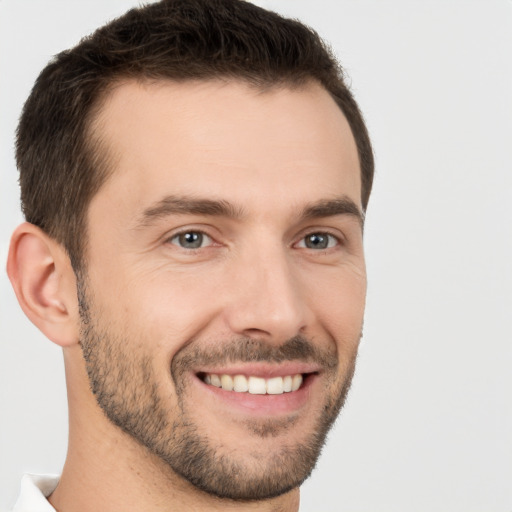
[{"x": 127, "y": 390}]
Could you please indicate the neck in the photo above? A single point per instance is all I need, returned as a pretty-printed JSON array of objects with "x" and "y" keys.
[{"x": 107, "y": 470}]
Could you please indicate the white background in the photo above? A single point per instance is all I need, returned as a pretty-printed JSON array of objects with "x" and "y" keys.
[{"x": 428, "y": 425}]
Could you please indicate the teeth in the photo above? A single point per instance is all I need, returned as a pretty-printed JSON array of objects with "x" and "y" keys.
[
  {"x": 275, "y": 386},
  {"x": 215, "y": 380},
  {"x": 227, "y": 382},
  {"x": 255, "y": 385},
  {"x": 296, "y": 382},
  {"x": 240, "y": 384}
]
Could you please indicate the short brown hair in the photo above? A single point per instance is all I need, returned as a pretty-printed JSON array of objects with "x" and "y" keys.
[{"x": 62, "y": 166}]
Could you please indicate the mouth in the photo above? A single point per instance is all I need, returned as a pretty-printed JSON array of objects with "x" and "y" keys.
[
  {"x": 255, "y": 385},
  {"x": 260, "y": 389}
]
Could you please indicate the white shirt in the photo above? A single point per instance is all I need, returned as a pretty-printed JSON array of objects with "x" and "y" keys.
[{"x": 33, "y": 493}]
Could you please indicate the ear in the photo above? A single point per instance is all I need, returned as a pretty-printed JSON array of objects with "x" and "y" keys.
[{"x": 44, "y": 282}]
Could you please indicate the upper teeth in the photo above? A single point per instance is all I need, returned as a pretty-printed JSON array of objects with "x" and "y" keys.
[{"x": 255, "y": 385}]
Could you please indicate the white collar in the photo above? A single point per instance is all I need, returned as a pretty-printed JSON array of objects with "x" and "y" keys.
[{"x": 34, "y": 491}]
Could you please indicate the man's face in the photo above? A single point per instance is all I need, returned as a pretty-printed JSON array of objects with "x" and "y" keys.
[{"x": 225, "y": 250}]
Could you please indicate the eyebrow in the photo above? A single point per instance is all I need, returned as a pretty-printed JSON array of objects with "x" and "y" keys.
[
  {"x": 332, "y": 207},
  {"x": 183, "y": 205}
]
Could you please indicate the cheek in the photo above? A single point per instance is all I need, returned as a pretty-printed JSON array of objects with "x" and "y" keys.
[
  {"x": 168, "y": 307},
  {"x": 339, "y": 306}
]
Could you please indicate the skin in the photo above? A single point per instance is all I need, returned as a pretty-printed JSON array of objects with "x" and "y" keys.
[{"x": 271, "y": 155}]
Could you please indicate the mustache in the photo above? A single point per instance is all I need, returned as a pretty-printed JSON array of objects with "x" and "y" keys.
[{"x": 250, "y": 350}]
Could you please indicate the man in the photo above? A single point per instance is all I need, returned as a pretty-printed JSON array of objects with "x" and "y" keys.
[{"x": 194, "y": 177}]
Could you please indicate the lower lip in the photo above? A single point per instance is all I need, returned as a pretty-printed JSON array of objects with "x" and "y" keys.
[{"x": 262, "y": 405}]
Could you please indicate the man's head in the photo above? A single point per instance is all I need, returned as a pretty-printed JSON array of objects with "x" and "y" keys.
[
  {"x": 61, "y": 158},
  {"x": 207, "y": 172}
]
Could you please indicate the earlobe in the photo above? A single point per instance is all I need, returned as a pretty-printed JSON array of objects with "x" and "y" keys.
[{"x": 44, "y": 283}]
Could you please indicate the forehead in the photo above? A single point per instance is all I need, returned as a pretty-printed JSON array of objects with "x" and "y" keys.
[{"x": 221, "y": 139}]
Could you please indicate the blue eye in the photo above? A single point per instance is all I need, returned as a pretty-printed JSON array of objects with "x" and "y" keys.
[
  {"x": 319, "y": 241},
  {"x": 191, "y": 240}
]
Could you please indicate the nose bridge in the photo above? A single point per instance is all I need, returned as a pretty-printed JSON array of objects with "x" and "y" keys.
[{"x": 266, "y": 300}]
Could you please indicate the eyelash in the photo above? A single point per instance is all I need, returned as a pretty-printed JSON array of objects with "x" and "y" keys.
[
  {"x": 189, "y": 232},
  {"x": 330, "y": 237},
  {"x": 337, "y": 240}
]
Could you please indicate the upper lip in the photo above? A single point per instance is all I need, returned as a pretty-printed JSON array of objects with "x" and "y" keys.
[{"x": 263, "y": 370}]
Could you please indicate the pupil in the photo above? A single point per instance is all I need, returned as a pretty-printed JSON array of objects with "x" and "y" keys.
[
  {"x": 316, "y": 241},
  {"x": 191, "y": 240}
]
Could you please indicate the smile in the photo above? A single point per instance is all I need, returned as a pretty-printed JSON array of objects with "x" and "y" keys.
[{"x": 254, "y": 385}]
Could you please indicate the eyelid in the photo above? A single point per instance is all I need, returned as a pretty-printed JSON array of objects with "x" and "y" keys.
[
  {"x": 167, "y": 239},
  {"x": 206, "y": 239},
  {"x": 336, "y": 234},
  {"x": 302, "y": 242}
]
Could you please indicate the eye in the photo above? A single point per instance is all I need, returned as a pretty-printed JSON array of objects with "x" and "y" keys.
[
  {"x": 319, "y": 241},
  {"x": 191, "y": 240}
]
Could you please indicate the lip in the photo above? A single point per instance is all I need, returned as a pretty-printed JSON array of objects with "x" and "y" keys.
[
  {"x": 262, "y": 406},
  {"x": 263, "y": 370}
]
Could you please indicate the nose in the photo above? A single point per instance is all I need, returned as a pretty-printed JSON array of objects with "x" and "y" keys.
[{"x": 265, "y": 298}]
